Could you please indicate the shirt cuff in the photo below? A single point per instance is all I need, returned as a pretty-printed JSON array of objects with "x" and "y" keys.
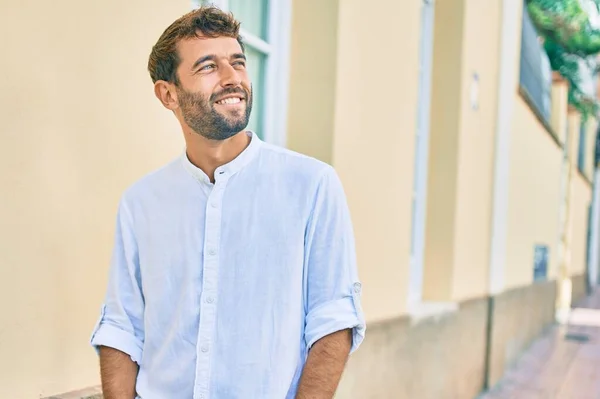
[
  {"x": 113, "y": 337},
  {"x": 335, "y": 316}
]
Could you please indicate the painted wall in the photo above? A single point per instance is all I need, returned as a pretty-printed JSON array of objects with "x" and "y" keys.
[
  {"x": 559, "y": 120},
  {"x": 534, "y": 194},
  {"x": 374, "y": 141},
  {"x": 476, "y": 149},
  {"x": 79, "y": 124},
  {"x": 312, "y": 78},
  {"x": 445, "y": 124},
  {"x": 582, "y": 197},
  {"x": 462, "y": 149}
]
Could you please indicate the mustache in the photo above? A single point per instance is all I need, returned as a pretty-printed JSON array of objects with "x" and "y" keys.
[{"x": 232, "y": 90}]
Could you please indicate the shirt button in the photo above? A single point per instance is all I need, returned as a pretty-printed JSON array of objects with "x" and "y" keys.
[
  {"x": 201, "y": 396},
  {"x": 212, "y": 252},
  {"x": 357, "y": 287},
  {"x": 214, "y": 204},
  {"x": 210, "y": 299},
  {"x": 204, "y": 348}
]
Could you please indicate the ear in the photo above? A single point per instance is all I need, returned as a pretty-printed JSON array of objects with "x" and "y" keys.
[{"x": 166, "y": 94}]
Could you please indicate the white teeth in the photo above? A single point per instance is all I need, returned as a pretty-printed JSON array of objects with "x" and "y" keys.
[{"x": 233, "y": 100}]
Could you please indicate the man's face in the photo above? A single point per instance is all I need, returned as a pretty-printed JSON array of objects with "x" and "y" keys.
[{"x": 214, "y": 92}]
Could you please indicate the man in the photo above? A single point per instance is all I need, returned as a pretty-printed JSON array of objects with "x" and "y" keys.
[{"x": 233, "y": 273}]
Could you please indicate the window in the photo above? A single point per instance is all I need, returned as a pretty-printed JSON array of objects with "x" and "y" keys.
[
  {"x": 582, "y": 140},
  {"x": 265, "y": 29},
  {"x": 535, "y": 77},
  {"x": 596, "y": 148}
]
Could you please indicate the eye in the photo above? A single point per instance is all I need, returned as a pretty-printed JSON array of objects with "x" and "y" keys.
[
  {"x": 207, "y": 67},
  {"x": 241, "y": 64}
]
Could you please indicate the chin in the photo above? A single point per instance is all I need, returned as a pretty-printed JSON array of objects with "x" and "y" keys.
[
  {"x": 238, "y": 128},
  {"x": 236, "y": 123},
  {"x": 234, "y": 114}
]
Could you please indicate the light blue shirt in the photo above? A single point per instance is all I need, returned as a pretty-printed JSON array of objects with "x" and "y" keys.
[{"x": 219, "y": 290}]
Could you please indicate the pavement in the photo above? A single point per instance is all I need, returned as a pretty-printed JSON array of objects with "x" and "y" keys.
[{"x": 564, "y": 363}]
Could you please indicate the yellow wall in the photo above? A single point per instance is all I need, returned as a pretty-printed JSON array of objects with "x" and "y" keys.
[
  {"x": 476, "y": 149},
  {"x": 582, "y": 197},
  {"x": 374, "y": 141},
  {"x": 559, "y": 121},
  {"x": 574, "y": 124},
  {"x": 312, "y": 77},
  {"x": 79, "y": 123},
  {"x": 445, "y": 125},
  {"x": 534, "y": 196},
  {"x": 534, "y": 182},
  {"x": 462, "y": 150}
]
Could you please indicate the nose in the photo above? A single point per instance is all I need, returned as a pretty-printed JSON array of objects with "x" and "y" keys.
[{"x": 230, "y": 77}]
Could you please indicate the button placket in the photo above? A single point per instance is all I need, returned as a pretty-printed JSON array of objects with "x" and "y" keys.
[{"x": 209, "y": 291}]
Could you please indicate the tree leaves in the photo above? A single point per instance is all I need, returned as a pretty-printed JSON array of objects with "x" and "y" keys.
[{"x": 571, "y": 41}]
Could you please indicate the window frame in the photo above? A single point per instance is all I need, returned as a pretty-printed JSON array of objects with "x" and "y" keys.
[
  {"x": 276, "y": 49},
  {"x": 535, "y": 72},
  {"x": 422, "y": 139},
  {"x": 581, "y": 155}
]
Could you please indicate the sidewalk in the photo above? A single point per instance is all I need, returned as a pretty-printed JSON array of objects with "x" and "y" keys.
[{"x": 562, "y": 364}]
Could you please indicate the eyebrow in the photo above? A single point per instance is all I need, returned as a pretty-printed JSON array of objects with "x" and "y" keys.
[{"x": 212, "y": 57}]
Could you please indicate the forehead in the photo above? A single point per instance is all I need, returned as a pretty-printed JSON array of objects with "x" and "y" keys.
[{"x": 192, "y": 49}]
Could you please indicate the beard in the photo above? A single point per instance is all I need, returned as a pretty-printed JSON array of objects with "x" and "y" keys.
[{"x": 201, "y": 116}]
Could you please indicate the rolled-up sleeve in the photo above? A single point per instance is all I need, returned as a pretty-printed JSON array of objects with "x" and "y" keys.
[
  {"x": 120, "y": 324},
  {"x": 332, "y": 287}
]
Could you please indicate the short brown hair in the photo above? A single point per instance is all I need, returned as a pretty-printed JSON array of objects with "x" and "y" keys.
[{"x": 208, "y": 21}]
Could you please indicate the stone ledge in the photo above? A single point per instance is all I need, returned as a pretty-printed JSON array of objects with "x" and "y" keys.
[
  {"x": 88, "y": 393},
  {"x": 431, "y": 311}
]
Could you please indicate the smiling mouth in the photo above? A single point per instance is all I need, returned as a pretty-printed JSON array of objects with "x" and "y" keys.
[{"x": 229, "y": 101}]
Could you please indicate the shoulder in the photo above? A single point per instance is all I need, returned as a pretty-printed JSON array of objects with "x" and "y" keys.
[
  {"x": 293, "y": 165},
  {"x": 312, "y": 181},
  {"x": 153, "y": 185}
]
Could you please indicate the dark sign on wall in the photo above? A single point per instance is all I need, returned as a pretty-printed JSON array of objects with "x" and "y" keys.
[{"x": 540, "y": 263}]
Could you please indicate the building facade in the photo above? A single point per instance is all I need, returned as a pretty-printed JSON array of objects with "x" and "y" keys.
[{"x": 468, "y": 175}]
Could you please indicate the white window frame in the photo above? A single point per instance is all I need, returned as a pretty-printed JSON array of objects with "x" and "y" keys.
[
  {"x": 277, "y": 51},
  {"x": 419, "y": 195}
]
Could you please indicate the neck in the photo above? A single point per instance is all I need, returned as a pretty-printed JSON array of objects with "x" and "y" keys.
[{"x": 208, "y": 155}]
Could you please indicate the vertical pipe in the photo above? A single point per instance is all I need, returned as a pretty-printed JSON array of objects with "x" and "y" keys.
[{"x": 563, "y": 300}]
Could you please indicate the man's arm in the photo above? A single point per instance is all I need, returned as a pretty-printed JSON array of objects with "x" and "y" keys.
[
  {"x": 324, "y": 366},
  {"x": 118, "y": 373},
  {"x": 334, "y": 321},
  {"x": 118, "y": 336}
]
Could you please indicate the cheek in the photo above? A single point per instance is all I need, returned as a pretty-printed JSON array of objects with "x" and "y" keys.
[
  {"x": 203, "y": 86},
  {"x": 205, "y": 91}
]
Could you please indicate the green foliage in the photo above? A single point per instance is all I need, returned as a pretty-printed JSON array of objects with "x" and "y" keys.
[
  {"x": 571, "y": 42},
  {"x": 565, "y": 22},
  {"x": 569, "y": 65}
]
